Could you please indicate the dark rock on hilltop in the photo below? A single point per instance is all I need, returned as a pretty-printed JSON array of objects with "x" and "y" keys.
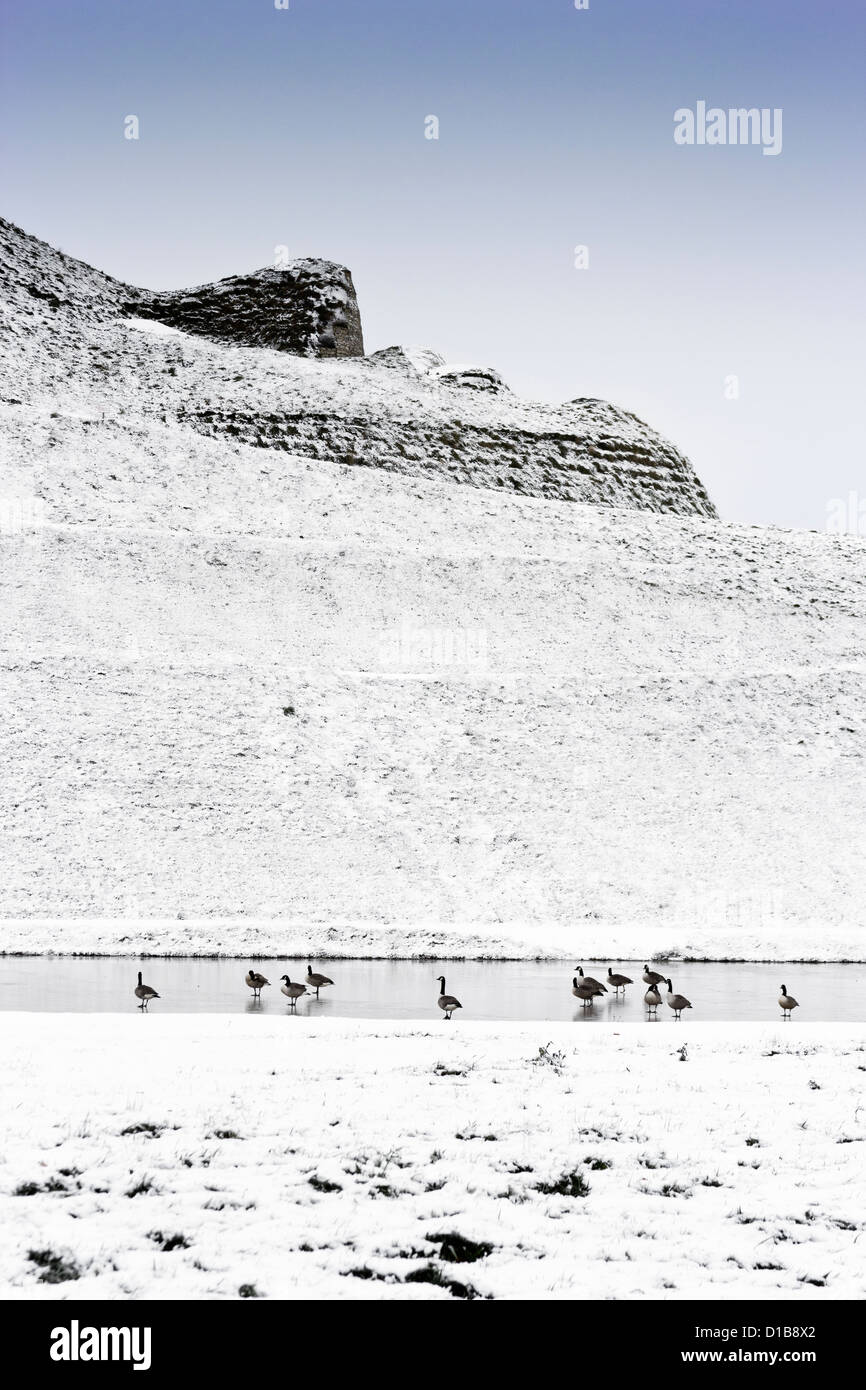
[{"x": 308, "y": 308}]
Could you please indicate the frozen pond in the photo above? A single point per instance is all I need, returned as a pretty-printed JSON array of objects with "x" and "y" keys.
[{"x": 393, "y": 989}]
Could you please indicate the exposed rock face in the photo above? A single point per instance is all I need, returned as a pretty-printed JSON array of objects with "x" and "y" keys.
[
  {"x": 308, "y": 308},
  {"x": 72, "y": 332}
]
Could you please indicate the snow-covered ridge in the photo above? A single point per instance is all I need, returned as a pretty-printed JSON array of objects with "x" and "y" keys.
[{"x": 251, "y": 369}]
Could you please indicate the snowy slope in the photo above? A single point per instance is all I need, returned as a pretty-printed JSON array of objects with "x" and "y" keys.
[{"x": 369, "y": 710}]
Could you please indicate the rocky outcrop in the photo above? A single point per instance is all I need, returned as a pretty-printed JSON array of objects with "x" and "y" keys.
[{"x": 308, "y": 308}]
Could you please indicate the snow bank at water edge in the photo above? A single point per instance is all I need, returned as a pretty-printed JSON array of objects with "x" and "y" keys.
[{"x": 280, "y": 939}]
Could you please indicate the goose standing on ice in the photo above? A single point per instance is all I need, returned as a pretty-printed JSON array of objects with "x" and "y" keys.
[
  {"x": 619, "y": 982},
  {"x": 652, "y": 999},
  {"x": 652, "y": 977},
  {"x": 588, "y": 980},
  {"x": 447, "y": 1002},
  {"x": 317, "y": 982},
  {"x": 677, "y": 1002},
  {"x": 256, "y": 983},
  {"x": 786, "y": 1002},
  {"x": 586, "y": 990},
  {"x": 144, "y": 993},
  {"x": 292, "y": 992}
]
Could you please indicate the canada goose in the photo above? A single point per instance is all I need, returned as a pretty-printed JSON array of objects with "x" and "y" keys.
[
  {"x": 144, "y": 993},
  {"x": 677, "y": 1002},
  {"x": 586, "y": 990},
  {"x": 652, "y": 998},
  {"x": 786, "y": 1002},
  {"x": 619, "y": 982},
  {"x": 292, "y": 992},
  {"x": 256, "y": 982},
  {"x": 588, "y": 980},
  {"x": 447, "y": 1002},
  {"x": 652, "y": 977},
  {"x": 317, "y": 982}
]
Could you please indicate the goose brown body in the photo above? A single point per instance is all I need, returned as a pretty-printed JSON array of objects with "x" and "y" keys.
[
  {"x": 787, "y": 1002},
  {"x": 292, "y": 991},
  {"x": 677, "y": 1002},
  {"x": 447, "y": 1002},
  {"x": 652, "y": 998},
  {"x": 317, "y": 982},
  {"x": 588, "y": 980},
  {"x": 619, "y": 982},
  {"x": 586, "y": 990},
  {"x": 144, "y": 993}
]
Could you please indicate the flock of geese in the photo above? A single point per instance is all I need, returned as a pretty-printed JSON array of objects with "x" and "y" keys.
[
  {"x": 583, "y": 987},
  {"x": 586, "y": 989}
]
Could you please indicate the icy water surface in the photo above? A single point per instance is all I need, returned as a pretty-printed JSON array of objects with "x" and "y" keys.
[{"x": 388, "y": 989}]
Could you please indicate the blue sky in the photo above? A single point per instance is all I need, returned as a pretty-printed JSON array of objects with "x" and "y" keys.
[{"x": 261, "y": 127}]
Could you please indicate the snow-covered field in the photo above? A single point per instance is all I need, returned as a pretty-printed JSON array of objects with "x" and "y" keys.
[{"x": 192, "y": 1157}]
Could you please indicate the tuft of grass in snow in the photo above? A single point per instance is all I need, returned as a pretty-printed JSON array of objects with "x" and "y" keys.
[
  {"x": 145, "y": 1127},
  {"x": 224, "y": 1134},
  {"x": 429, "y": 1274},
  {"x": 56, "y": 1269},
  {"x": 175, "y": 1242},
  {"x": 248, "y": 1291},
  {"x": 30, "y": 1189},
  {"x": 548, "y": 1056},
  {"x": 457, "y": 1249},
  {"x": 138, "y": 1189},
  {"x": 569, "y": 1185},
  {"x": 323, "y": 1185}
]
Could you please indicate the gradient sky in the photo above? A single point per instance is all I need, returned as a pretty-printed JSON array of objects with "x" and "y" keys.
[{"x": 305, "y": 127}]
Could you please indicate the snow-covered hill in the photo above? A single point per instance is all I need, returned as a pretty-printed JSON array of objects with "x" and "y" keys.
[{"x": 366, "y": 709}]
